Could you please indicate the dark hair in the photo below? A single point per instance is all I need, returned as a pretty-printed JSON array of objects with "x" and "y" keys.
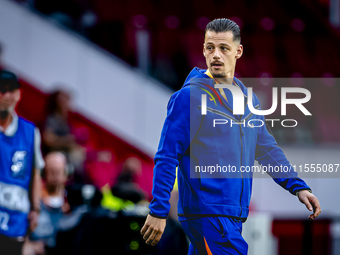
[
  {"x": 224, "y": 25},
  {"x": 52, "y": 103}
]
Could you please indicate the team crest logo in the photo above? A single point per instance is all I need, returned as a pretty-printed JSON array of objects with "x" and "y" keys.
[{"x": 18, "y": 164}]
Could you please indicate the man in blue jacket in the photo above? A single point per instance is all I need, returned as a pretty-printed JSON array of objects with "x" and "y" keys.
[
  {"x": 214, "y": 189},
  {"x": 20, "y": 164}
]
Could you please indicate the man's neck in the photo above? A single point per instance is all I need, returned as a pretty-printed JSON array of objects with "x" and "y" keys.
[{"x": 5, "y": 120}]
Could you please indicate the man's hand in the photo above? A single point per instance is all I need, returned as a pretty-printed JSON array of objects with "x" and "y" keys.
[
  {"x": 33, "y": 219},
  {"x": 153, "y": 229},
  {"x": 311, "y": 202}
]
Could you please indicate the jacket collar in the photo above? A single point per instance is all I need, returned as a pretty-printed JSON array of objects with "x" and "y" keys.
[
  {"x": 229, "y": 103},
  {"x": 12, "y": 127}
]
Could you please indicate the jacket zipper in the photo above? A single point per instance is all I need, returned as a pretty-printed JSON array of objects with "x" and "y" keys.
[{"x": 241, "y": 134}]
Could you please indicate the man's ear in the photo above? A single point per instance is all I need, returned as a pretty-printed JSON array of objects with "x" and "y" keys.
[
  {"x": 204, "y": 49},
  {"x": 17, "y": 95},
  {"x": 239, "y": 51}
]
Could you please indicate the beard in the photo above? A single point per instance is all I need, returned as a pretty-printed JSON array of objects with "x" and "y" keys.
[
  {"x": 222, "y": 75},
  {"x": 218, "y": 73},
  {"x": 4, "y": 114}
]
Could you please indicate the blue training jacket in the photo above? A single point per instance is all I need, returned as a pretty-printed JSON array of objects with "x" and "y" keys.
[
  {"x": 16, "y": 170},
  {"x": 212, "y": 160}
]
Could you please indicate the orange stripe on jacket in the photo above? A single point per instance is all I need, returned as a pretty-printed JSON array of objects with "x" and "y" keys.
[
  {"x": 220, "y": 89},
  {"x": 207, "y": 247}
]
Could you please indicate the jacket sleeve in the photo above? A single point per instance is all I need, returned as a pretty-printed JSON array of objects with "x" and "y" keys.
[
  {"x": 181, "y": 124},
  {"x": 270, "y": 155}
]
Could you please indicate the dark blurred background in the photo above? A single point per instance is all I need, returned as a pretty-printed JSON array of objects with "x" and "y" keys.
[{"x": 280, "y": 38}]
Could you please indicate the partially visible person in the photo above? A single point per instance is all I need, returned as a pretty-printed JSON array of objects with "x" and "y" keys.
[
  {"x": 131, "y": 170},
  {"x": 53, "y": 207},
  {"x": 126, "y": 186},
  {"x": 55, "y": 175},
  {"x": 125, "y": 192},
  {"x": 20, "y": 164},
  {"x": 212, "y": 210},
  {"x": 57, "y": 131}
]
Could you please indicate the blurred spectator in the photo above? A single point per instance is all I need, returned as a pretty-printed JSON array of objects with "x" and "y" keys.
[
  {"x": 57, "y": 131},
  {"x": 53, "y": 206},
  {"x": 55, "y": 175},
  {"x": 126, "y": 186},
  {"x": 127, "y": 197},
  {"x": 57, "y": 134},
  {"x": 72, "y": 228},
  {"x": 131, "y": 170},
  {"x": 89, "y": 229},
  {"x": 126, "y": 192}
]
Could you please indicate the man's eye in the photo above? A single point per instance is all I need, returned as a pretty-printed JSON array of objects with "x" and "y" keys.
[
  {"x": 209, "y": 48},
  {"x": 223, "y": 48}
]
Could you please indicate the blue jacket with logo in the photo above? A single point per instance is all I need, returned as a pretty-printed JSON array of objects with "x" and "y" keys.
[
  {"x": 214, "y": 161},
  {"x": 16, "y": 169}
]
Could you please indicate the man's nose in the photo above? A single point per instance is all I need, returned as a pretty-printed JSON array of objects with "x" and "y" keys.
[{"x": 217, "y": 54}]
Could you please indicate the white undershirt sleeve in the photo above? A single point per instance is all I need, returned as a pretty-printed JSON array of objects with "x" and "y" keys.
[{"x": 39, "y": 162}]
